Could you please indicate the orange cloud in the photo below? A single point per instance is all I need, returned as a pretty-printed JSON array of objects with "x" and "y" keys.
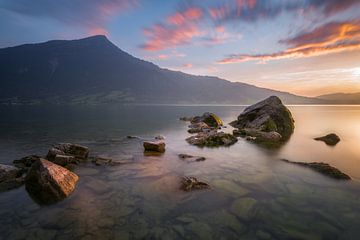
[
  {"x": 187, "y": 65},
  {"x": 162, "y": 37},
  {"x": 179, "y": 29},
  {"x": 329, "y": 38},
  {"x": 180, "y": 18},
  {"x": 98, "y": 31}
]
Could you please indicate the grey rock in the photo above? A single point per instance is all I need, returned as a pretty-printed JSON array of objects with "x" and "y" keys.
[
  {"x": 157, "y": 146},
  {"x": 268, "y": 120},
  {"x": 10, "y": 177}
]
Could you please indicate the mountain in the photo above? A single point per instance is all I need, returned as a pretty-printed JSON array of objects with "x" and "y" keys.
[
  {"x": 341, "y": 98},
  {"x": 93, "y": 70}
]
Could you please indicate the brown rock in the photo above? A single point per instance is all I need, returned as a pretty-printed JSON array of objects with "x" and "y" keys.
[
  {"x": 192, "y": 183},
  {"x": 47, "y": 182},
  {"x": 154, "y": 146}
]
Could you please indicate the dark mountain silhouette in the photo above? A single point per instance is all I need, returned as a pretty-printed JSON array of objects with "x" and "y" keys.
[{"x": 93, "y": 70}]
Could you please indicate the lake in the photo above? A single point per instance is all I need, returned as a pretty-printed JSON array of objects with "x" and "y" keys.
[{"x": 254, "y": 195}]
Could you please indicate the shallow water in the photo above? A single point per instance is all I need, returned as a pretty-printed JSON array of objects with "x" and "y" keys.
[{"x": 253, "y": 195}]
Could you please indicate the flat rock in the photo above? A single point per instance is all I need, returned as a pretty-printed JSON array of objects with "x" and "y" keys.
[
  {"x": 322, "y": 168},
  {"x": 47, "y": 182},
  {"x": 331, "y": 139},
  {"x": 268, "y": 120},
  {"x": 157, "y": 146},
  {"x": 192, "y": 183}
]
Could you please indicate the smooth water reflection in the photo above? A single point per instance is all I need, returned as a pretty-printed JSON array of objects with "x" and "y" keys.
[{"x": 253, "y": 195}]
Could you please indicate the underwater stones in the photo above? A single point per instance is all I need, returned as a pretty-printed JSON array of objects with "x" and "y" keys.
[
  {"x": 102, "y": 161},
  {"x": 186, "y": 119},
  {"x": 212, "y": 139},
  {"x": 228, "y": 186},
  {"x": 47, "y": 182},
  {"x": 10, "y": 177},
  {"x": 190, "y": 158},
  {"x": 157, "y": 146},
  {"x": 192, "y": 183},
  {"x": 210, "y": 119},
  {"x": 268, "y": 120},
  {"x": 243, "y": 207},
  {"x": 322, "y": 168},
  {"x": 331, "y": 139},
  {"x": 201, "y": 230}
]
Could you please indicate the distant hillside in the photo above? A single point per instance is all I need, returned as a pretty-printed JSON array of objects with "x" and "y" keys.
[
  {"x": 342, "y": 98},
  {"x": 95, "y": 71}
]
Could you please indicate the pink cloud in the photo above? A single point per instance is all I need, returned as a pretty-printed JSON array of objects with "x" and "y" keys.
[
  {"x": 187, "y": 65},
  {"x": 329, "y": 38},
  {"x": 162, "y": 37},
  {"x": 188, "y": 15}
]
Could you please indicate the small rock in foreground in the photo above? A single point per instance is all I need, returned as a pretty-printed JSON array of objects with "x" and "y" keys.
[
  {"x": 47, "y": 182},
  {"x": 331, "y": 139},
  {"x": 154, "y": 146},
  {"x": 191, "y": 183},
  {"x": 323, "y": 168}
]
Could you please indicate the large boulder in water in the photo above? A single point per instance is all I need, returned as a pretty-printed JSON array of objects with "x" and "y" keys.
[
  {"x": 157, "y": 146},
  {"x": 211, "y": 119},
  {"x": 47, "y": 182},
  {"x": 331, "y": 139},
  {"x": 268, "y": 120}
]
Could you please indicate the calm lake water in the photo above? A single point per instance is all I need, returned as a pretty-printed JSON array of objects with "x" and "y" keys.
[{"x": 253, "y": 195}]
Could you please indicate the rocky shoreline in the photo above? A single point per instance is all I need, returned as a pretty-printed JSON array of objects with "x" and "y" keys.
[{"x": 49, "y": 179}]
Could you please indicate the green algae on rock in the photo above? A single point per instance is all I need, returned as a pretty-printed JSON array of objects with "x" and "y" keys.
[
  {"x": 323, "y": 168},
  {"x": 212, "y": 139}
]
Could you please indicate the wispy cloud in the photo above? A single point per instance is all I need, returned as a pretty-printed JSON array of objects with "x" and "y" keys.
[
  {"x": 329, "y": 38},
  {"x": 92, "y": 15},
  {"x": 178, "y": 29}
]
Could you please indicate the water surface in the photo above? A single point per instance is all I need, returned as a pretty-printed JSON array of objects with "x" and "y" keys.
[{"x": 253, "y": 195}]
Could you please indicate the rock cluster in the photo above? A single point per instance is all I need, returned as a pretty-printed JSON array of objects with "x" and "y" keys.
[
  {"x": 206, "y": 129},
  {"x": 67, "y": 153},
  {"x": 266, "y": 121}
]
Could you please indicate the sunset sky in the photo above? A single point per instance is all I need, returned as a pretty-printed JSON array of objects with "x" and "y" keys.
[{"x": 307, "y": 47}]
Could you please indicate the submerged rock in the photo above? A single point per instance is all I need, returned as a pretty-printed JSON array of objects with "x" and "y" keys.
[
  {"x": 101, "y": 161},
  {"x": 243, "y": 207},
  {"x": 47, "y": 182},
  {"x": 211, "y": 119},
  {"x": 159, "y": 137},
  {"x": 186, "y": 119},
  {"x": 158, "y": 146},
  {"x": 10, "y": 177},
  {"x": 268, "y": 121},
  {"x": 192, "y": 183},
  {"x": 323, "y": 168},
  {"x": 331, "y": 139},
  {"x": 190, "y": 158},
  {"x": 212, "y": 139}
]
